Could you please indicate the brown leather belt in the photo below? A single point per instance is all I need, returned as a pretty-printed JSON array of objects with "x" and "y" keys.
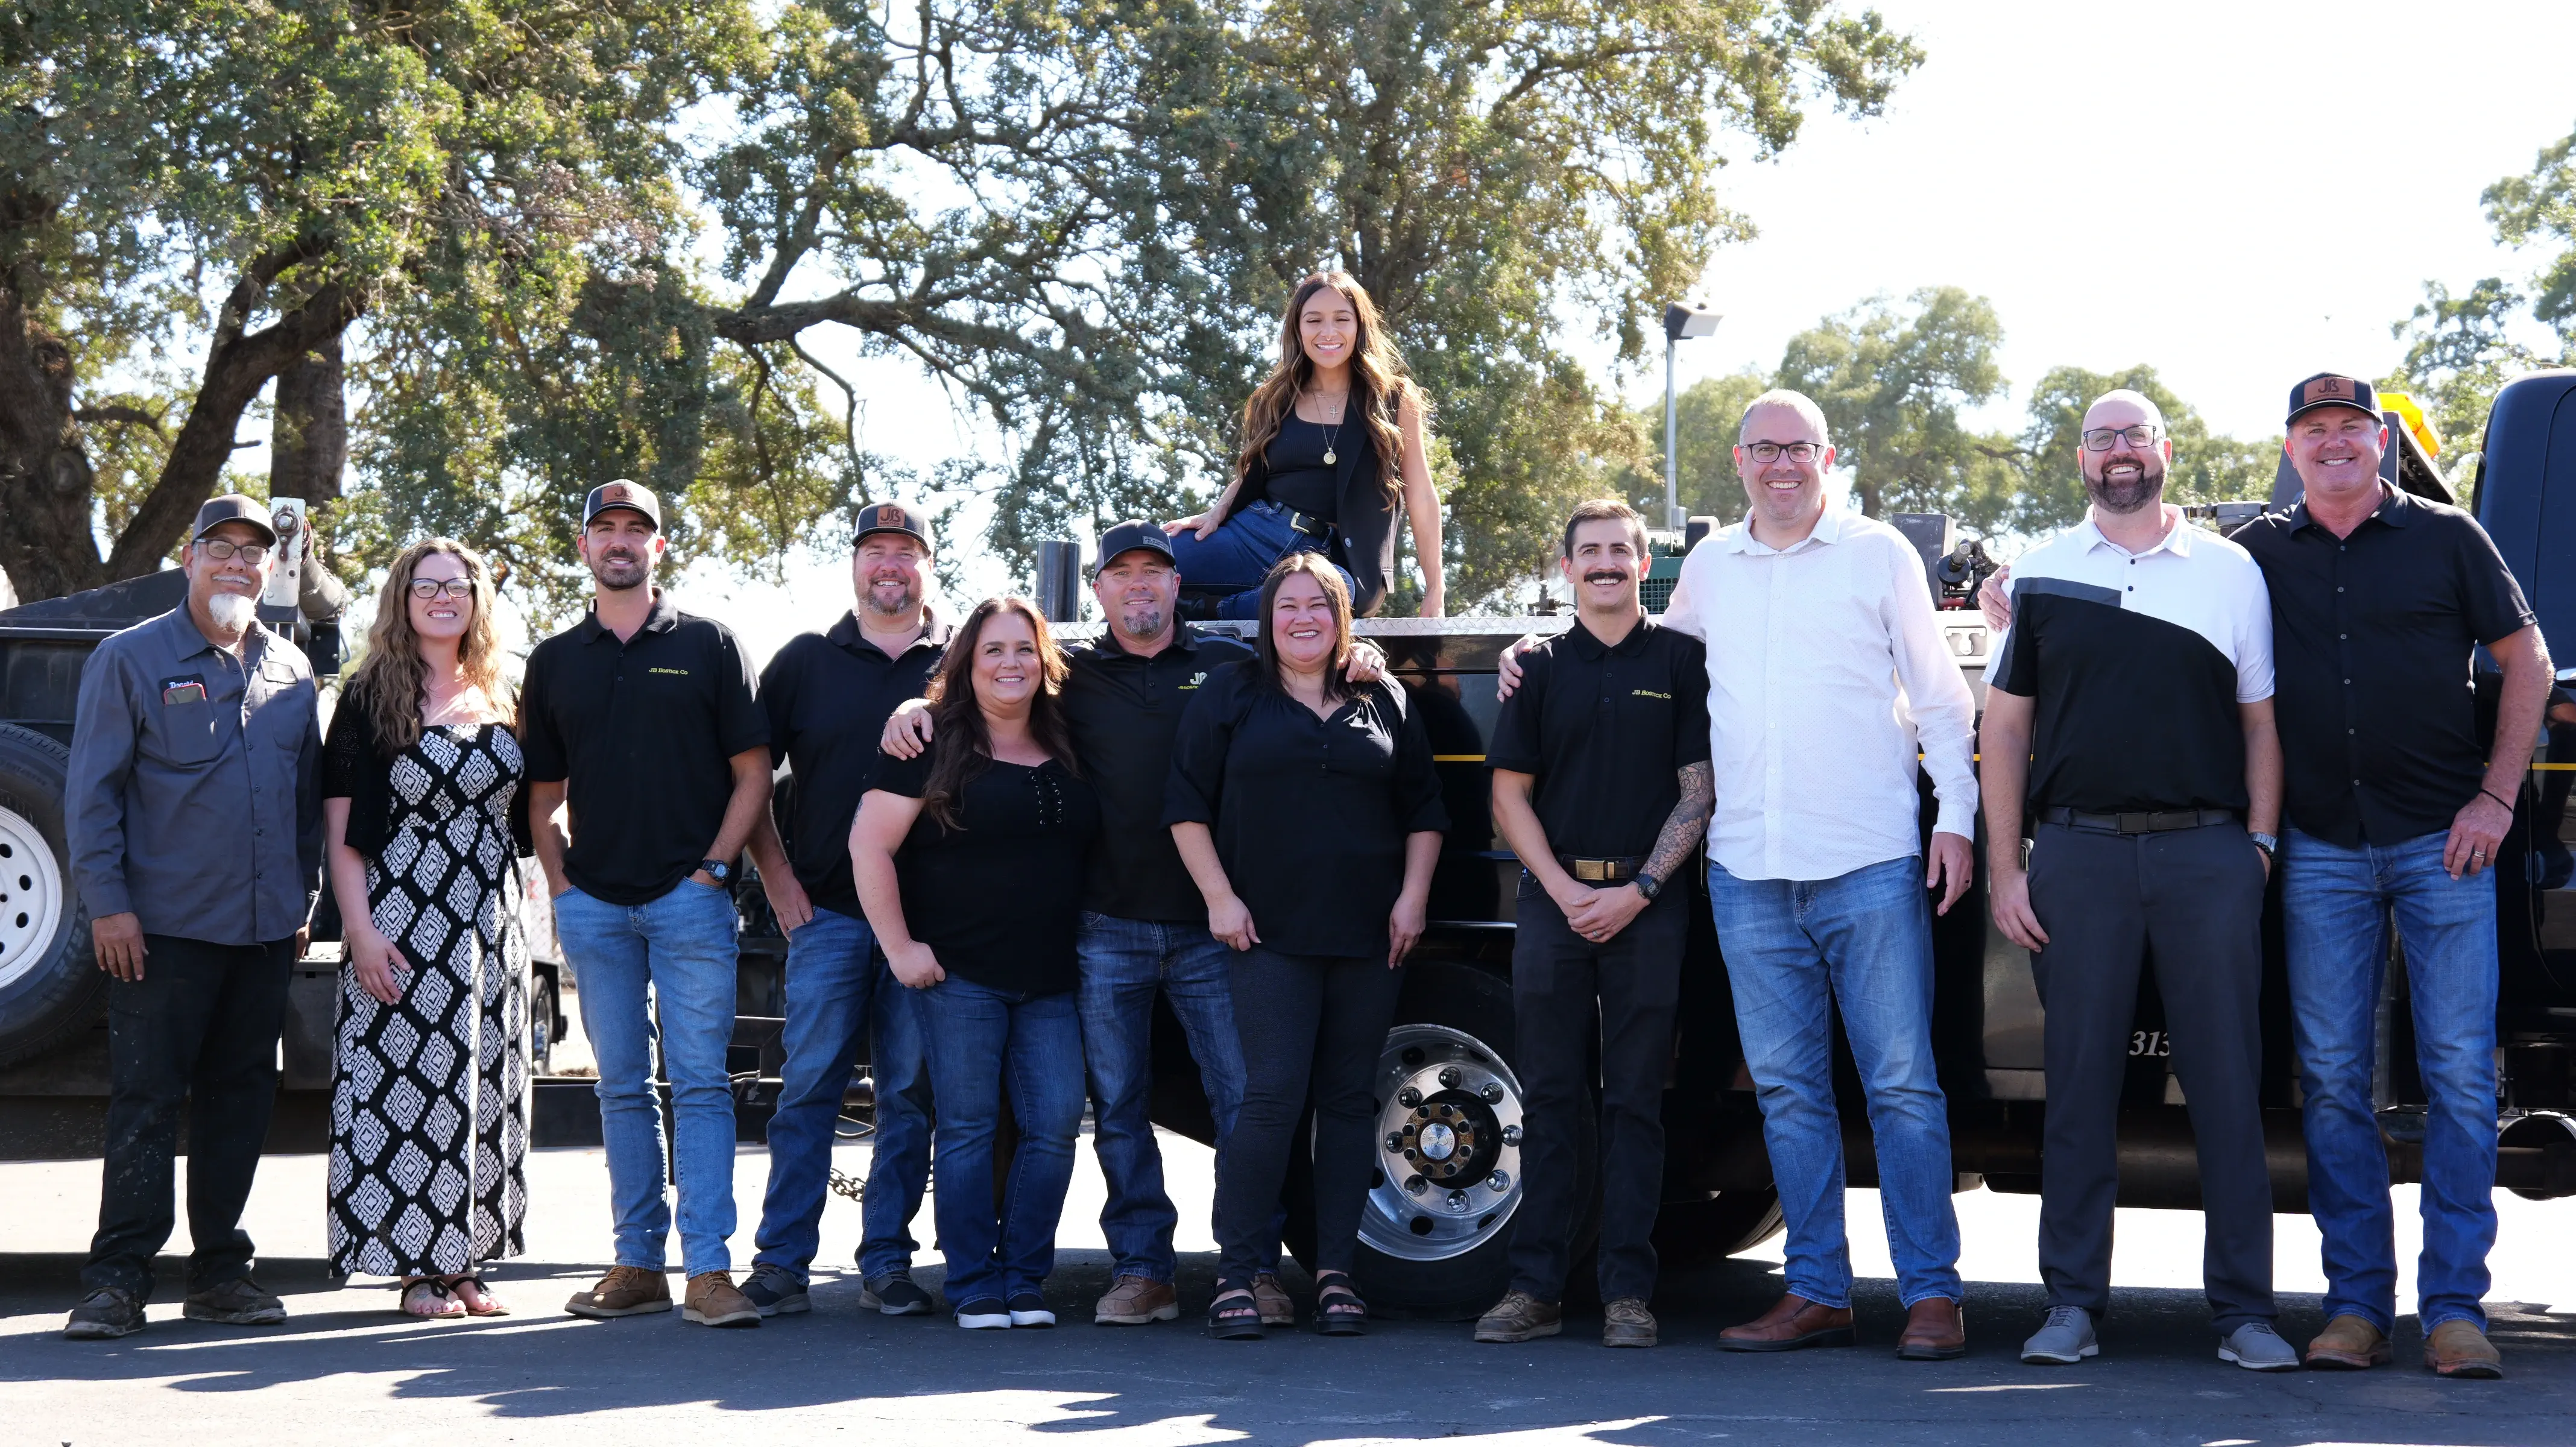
[
  {"x": 1600, "y": 871},
  {"x": 2140, "y": 821}
]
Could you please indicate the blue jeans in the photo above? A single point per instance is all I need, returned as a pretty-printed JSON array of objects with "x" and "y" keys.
[
  {"x": 1241, "y": 554},
  {"x": 1124, "y": 961},
  {"x": 679, "y": 950},
  {"x": 2337, "y": 905},
  {"x": 1795, "y": 950},
  {"x": 837, "y": 983},
  {"x": 899, "y": 1148},
  {"x": 982, "y": 1043}
]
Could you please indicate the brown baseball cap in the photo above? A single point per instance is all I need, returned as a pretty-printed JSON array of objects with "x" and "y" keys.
[
  {"x": 2332, "y": 389},
  {"x": 626, "y": 493},
  {"x": 234, "y": 507},
  {"x": 891, "y": 517}
]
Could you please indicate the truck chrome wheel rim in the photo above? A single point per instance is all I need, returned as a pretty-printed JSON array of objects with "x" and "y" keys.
[
  {"x": 31, "y": 897},
  {"x": 1448, "y": 1146}
]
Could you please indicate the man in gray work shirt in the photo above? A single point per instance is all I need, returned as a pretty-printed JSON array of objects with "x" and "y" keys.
[{"x": 196, "y": 835}]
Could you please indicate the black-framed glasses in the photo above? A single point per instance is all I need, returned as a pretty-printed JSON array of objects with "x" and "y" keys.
[
  {"x": 223, "y": 550},
  {"x": 1774, "y": 451},
  {"x": 427, "y": 588},
  {"x": 2098, "y": 439}
]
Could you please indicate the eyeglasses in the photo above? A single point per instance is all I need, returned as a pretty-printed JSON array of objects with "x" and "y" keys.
[
  {"x": 223, "y": 550},
  {"x": 1774, "y": 451},
  {"x": 2098, "y": 439},
  {"x": 427, "y": 588}
]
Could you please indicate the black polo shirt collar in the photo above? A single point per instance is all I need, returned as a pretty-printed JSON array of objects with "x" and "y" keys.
[
  {"x": 2397, "y": 509},
  {"x": 664, "y": 617},
  {"x": 845, "y": 633},
  {"x": 1185, "y": 641},
  {"x": 1587, "y": 645}
]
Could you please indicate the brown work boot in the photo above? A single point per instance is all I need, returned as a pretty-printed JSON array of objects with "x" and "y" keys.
[
  {"x": 713, "y": 1300},
  {"x": 624, "y": 1291},
  {"x": 2458, "y": 1349},
  {"x": 1277, "y": 1307},
  {"x": 1789, "y": 1326},
  {"x": 2349, "y": 1344},
  {"x": 1936, "y": 1330},
  {"x": 1136, "y": 1300},
  {"x": 1626, "y": 1323},
  {"x": 1519, "y": 1317}
]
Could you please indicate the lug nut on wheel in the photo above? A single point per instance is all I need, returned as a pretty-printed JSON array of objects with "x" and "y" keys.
[
  {"x": 1492, "y": 1094},
  {"x": 1449, "y": 1077},
  {"x": 1409, "y": 1098}
]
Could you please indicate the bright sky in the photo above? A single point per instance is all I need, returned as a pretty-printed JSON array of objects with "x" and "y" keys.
[{"x": 2165, "y": 183}]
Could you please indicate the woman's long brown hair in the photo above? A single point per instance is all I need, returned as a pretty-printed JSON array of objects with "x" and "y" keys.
[
  {"x": 1379, "y": 386},
  {"x": 392, "y": 677},
  {"x": 1329, "y": 578},
  {"x": 961, "y": 746}
]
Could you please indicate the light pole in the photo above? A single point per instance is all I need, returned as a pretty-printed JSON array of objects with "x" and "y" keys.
[{"x": 1682, "y": 320}]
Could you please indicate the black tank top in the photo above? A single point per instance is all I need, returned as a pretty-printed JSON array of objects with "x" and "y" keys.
[{"x": 1299, "y": 476}]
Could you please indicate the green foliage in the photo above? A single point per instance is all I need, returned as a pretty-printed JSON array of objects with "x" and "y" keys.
[{"x": 1892, "y": 382}]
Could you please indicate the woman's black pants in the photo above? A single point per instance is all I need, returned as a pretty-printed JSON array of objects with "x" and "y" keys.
[{"x": 1310, "y": 1023}]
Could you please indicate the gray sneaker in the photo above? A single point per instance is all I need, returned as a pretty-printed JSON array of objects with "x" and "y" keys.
[
  {"x": 2257, "y": 1348},
  {"x": 894, "y": 1294},
  {"x": 775, "y": 1291},
  {"x": 2063, "y": 1340},
  {"x": 238, "y": 1302},
  {"x": 104, "y": 1315}
]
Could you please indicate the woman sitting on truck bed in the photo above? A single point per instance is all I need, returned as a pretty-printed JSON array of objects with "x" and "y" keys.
[
  {"x": 425, "y": 820},
  {"x": 1332, "y": 439},
  {"x": 1309, "y": 814}
]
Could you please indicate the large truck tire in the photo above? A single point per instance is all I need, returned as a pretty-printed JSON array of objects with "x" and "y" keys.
[
  {"x": 50, "y": 985},
  {"x": 1436, "y": 1229}
]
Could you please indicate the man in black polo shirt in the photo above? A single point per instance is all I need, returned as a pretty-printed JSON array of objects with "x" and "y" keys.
[
  {"x": 641, "y": 718},
  {"x": 827, "y": 696},
  {"x": 2396, "y": 806},
  {"x": 1602, "y": 786},
  {"x": 2129, "y": 710}
]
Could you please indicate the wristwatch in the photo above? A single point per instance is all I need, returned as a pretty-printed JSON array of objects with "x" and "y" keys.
[
  {"x": 2269, "y": 844},
  {"x": 717, "y": 870},
  {"x": 1647, "y": 884}
]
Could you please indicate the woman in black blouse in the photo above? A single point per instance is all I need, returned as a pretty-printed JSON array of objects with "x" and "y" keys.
[
  {"x": 1333, "y": 439},
  {"x": 1309, "y": 813},
  {"x": 969, "y": 860}
]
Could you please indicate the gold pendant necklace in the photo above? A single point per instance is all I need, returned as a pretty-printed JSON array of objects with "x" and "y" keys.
[{"x": 1332, "y": 434}]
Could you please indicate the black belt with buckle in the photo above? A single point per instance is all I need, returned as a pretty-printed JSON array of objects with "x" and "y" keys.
[
  {"x": 1601, "y": 871},
  {"x": 2141, "y": 821},
  {"x": 1306, "y": 524}
]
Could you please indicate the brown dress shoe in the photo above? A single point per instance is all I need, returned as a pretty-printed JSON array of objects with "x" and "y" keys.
[
  {"x": 1278, "y": 1308},
  {"x": 1519, "y": 1317},
  {"x": 1136, "y": 1300},
  {"x": 1626, "y": 1323},
  {"x": 1936, "y": 1330},
  {"x": 1793, "y": 1324},
  {"x": 713, "y": 1300},
  {"x": 2458, "y": 1349},
  {"x": 2348, "y": 1344},
  {"x": 624, "y": 1291}
]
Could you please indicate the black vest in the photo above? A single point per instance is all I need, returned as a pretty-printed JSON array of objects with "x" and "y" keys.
[{"x": 1364, "y": 535}]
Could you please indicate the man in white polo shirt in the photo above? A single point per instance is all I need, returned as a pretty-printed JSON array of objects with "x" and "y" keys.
[
  {"x": 2129, "y": 721},
  {"x": 1827, "y": 674}
]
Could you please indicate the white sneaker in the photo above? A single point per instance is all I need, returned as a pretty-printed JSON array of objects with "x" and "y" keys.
[
  {"x": 983, "y": 1315},
  {"x": 1030, "y": 1309}
]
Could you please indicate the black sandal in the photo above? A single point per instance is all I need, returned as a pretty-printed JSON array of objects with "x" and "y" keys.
[
  {"x": 1234, "y": 1315},
  {"x": 1338, "y": 1309},
  {"x": 492, "y": 1304}
]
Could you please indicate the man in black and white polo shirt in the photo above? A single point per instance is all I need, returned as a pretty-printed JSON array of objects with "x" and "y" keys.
[{"x": 2129, "y": 720}]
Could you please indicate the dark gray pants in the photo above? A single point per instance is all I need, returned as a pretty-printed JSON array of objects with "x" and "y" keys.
[
  {"x": 1558, "y": 978},
  {"x": 2195, "y": 897},
  {"x": 200, "y": 1030}
]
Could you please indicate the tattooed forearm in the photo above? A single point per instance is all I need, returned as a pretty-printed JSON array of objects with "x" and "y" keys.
[{"x": 1682, "y": 828}]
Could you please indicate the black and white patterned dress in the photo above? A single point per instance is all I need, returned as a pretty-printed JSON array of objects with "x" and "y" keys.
[{"x": 429, "y": 1118}]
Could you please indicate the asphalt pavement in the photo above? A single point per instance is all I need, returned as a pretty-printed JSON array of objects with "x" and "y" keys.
[{"x": 347, "y": 1369}]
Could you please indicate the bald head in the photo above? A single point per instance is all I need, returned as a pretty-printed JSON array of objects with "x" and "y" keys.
[
  {"x": 1780, "y": 405},
  {"x": 2122, "y": 407}
]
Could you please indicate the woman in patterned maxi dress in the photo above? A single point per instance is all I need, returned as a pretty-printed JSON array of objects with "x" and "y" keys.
[{"x": 421, "y": 790}]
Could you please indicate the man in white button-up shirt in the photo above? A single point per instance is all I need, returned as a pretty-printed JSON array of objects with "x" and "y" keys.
[{"x": 1827, "y": 672}]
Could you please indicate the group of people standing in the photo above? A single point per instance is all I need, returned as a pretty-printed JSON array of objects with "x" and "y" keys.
[{"x": 999, "y": 851}]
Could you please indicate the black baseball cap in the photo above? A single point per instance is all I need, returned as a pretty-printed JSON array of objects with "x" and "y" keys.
[
  {"x": 1127, "y": 537},
  {"x": 2332, "y": 389},
  {"x": 234, "y": 507},
  {"x": 626, "y": 493},
  {"x": 890, "y": 517}
]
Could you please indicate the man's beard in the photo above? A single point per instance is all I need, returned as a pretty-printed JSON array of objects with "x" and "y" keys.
[
  {"x": 232, "y": 612},
  {"x": 618, "y": 574},
  {"x": 2128, "y": 497},
  {"x": 905, "y": 601},
  {"x": 1145, "y": 622}
]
